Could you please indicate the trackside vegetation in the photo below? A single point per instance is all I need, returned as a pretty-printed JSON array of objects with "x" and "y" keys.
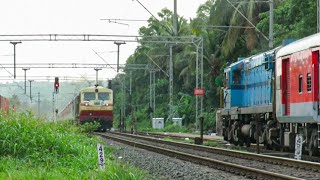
[{"x": 31, "y": 148}]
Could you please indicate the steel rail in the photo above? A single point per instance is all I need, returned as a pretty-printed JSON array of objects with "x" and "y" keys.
[
  {"x": 252, "y": 148},
  {"x": 225, "y": 166},
  {"x": 239, "y": 154}
]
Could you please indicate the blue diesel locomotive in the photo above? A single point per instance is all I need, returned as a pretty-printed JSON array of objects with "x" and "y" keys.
[{"x": 248, "y": 90}]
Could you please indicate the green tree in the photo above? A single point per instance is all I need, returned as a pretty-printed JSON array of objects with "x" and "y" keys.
[{"x": 293, "y": 19}]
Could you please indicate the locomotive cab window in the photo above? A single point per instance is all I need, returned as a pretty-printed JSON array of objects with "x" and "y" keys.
[
  {"x": 300, "y": 84},
  {"x": 89, "y": 96},
  {"x": 236, "y": 77},
  {"x": 103, "y": 96},
  {"x": 309, "y": 82}
]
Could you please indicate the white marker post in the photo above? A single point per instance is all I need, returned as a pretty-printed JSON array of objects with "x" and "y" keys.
[
  {"x": 101, "y": 156},
  {"x": 298, "y": 148}
]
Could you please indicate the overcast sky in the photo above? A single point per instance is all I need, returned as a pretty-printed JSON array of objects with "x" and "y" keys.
[{"x": 75, "y": 17}]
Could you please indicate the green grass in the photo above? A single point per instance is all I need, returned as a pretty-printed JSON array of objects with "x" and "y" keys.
[
  {"x": 34, "y": 149},
  {"x": 211, "y": 143}
]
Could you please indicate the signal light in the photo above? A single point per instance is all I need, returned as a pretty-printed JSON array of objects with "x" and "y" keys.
[{"x": 56, "y": 84}]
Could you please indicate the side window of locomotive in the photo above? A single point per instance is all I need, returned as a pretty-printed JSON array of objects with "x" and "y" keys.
[
  {"x": 300, "y": 83},
  {"x": 89, "y": 96},
  {"x": 236, "y": 77},
  {"x": 103, "y": 96},
  {"x": 309, "y": 82}
]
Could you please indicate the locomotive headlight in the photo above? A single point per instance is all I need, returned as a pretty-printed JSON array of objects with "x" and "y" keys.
[{"x": 86, "y": 103}]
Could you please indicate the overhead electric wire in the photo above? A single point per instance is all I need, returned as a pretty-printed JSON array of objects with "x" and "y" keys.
[
  {"x": 248, "y": 20},
  {"x": 104, "y": 60},
  {"x": 147, "y": 10},
  {"x": 110, "y": 19},
  {"x": 11, "y": 75}
]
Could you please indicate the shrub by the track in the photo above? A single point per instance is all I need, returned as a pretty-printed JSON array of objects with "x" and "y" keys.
[{"x": 31, "y": 148}]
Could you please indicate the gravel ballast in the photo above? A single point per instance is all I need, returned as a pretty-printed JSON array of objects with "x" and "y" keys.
[
  {"x": 291, "y": 171},
  {"x": 164, "y": 167}
]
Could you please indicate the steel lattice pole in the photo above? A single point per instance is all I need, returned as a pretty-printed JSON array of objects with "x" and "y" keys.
[{"x": 171, "y": 83}]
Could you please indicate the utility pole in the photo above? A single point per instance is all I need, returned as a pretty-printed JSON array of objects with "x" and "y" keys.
[
  {"x": 97, "y": 69},
  {"x": 53, "y": 106},
  {"x": 38, "y": 104},
  {"x": 175, "y": 19},
  {"x": 14, "y": 57},
  {"x": 130, "y": 90},
  {"x": 118, "y": 43},
  {"x": 152, "y": 95},
  {"x": 271, "y": 25},
  {"x": 30, "y": 90},
  {"x": 124, "y": 104},
  {"x": 25, "y": 79},
  {"x": 154, "y": 92},
  {"x": 171, "y": 83},
  {"x": 130, "y": 99}
]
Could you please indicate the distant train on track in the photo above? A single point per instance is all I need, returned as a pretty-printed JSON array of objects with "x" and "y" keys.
[
  {"x": 91, "y": 104},
  {"x": 4, "y": 104},
  {"x": 280, "y": 90}
]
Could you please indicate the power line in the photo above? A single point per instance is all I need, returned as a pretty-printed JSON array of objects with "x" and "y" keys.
[
  {"x": 147, "y": 10},
  {"x": 56, "y": 65},
  {"x": 110, "y": 19},
  {"x": 118, "y": 23},
  {"x": 248, "y": 20},
  {"x": 244, "y": 27},
  {"x": 104, "y": 60}
]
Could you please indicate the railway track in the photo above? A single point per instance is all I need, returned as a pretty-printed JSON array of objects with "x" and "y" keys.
[
  {"x": 218, "y": 164},
  {"x": 252, "y": 148}
]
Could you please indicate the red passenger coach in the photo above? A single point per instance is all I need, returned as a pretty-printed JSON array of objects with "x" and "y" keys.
[
  {"x": 4, "y": 104},
  {"x": 297, "y": 91}
]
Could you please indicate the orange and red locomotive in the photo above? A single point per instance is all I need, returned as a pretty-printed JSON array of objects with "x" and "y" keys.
[{"x": 92, "y": 104}]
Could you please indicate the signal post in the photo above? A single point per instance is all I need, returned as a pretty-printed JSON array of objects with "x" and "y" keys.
[{"x": 56, "y": 86}]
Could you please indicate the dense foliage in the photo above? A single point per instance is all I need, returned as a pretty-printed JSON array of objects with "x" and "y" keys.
[
  {"x": 33, "y": 149},
  {"x": 227, "y": 35}
]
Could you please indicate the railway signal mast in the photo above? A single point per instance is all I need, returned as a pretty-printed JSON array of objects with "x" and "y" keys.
[
  {"x": 55, "y": 98},
  {"x": 56, "y": 85}
]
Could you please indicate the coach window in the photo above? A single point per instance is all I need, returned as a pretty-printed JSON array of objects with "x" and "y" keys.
[
  {"x": 309, "y": 82},
  {"x": 103, "y": 96},
  {"x": 300, "y": 83},
  {"x": 89, "y": 96}
]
